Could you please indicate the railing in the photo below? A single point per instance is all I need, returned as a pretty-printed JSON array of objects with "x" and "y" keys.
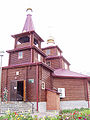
[{"x": 20, "y": 98}]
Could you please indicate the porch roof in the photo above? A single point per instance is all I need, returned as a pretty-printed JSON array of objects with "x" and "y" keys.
[{"x": 68, "y": 74}]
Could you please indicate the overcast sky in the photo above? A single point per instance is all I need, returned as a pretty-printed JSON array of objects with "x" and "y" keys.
[{"x": 68, "y": 21}]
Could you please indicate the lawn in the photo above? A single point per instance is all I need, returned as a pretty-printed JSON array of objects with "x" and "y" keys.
[{"x": 75, "y": 114}]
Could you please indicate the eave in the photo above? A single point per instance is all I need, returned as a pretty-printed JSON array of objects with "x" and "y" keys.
[
  {"x": 45, "y": 65},
  {"x": 21, "y": 34},
  {"x": 38, "y": 36},
  {"x": 26, "y": 48},
  {"x": 39, "y": 50},
  {"x": 65, "y": 73},
  {"x": 49, "y": 47},
  {"x": 28, "y": 64},
  {"x": 71, "y": 77},
  {"x": 55, "y": 57},
  {"x": 19, "y": 49},
  {"x": 52, "y": 90},
  {"x": 27, "y": 33}
]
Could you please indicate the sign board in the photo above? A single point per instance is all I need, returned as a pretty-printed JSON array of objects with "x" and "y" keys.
[
  {"x": 15, "y": 88},
  {"x": 31, "y": 80}
]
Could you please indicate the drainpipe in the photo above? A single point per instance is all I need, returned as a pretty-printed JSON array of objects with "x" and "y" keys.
[
  {"x": 1, "y": 55},
  {"x": 37, "y": 84},
  {"x": 87, "y": 94}
]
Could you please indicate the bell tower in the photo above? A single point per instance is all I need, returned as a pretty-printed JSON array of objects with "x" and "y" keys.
[
  {"x": 28, "y": 37},
  {"x": 27, "y": 45}
]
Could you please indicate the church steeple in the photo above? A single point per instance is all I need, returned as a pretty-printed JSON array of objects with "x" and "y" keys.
[
  {"x": 28, "y": 37},
  {"x": 28, "y": 26}
]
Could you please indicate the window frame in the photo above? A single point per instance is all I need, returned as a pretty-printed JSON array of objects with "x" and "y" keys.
[
  {"x": 48, "y": 52},
  {"x": 66, "y": 66},
  {"x": 48, "y": 63},
  {"x": 20, "y": 55},
  {"x": 39, "y": 58}
]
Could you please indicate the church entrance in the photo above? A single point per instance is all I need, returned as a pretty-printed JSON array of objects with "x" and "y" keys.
[{"x": 17, "y": 91}]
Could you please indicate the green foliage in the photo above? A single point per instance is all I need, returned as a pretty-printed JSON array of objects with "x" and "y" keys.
[
  {"x": 72, "y": 110},
  {"x": 5, "y": 94}
]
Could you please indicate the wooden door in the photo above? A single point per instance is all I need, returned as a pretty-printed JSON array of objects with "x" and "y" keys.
[
  {"x": 13, "y": 91},
  {"x": 53, "y": 101}
]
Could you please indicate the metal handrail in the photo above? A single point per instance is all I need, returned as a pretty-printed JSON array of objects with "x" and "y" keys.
[
  {"x": 32, "y": 105},
  {"x": 27, "y": 101}
]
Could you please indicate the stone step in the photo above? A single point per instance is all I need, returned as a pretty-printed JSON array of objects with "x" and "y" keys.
[{"x": 14, "y": 106}]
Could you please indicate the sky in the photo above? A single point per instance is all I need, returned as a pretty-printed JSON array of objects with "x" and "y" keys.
[{"x": 68, "y": 21}]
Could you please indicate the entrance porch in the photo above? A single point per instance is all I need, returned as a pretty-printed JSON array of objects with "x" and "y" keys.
[{"x": 17, "y": 91}]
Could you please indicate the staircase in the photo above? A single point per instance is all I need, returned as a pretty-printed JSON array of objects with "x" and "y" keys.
[{"x": 16, "y": 106}]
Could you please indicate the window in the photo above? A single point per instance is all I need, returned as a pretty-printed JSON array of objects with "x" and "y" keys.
[
  {"x": 65, "y": 66},
  {"x": 48, "y": 63},
  {"x": 23, "y": 40},
  {"x": 39, "y": 57},
  {"x": 48, "y": 52},
  {"x": 58, "y": 52},
  {"x": 17, "y": 72},
  {"x": 35, "y": 42},
  {"x": 20, "y": 55}
]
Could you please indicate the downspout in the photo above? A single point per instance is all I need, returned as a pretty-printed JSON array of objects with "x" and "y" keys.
[
  {"x": 0, "y": 75},
  {"x": 87, "y": 94},
  {"x": 7, "y": 83},
  {"x": 37, "y": 72}
]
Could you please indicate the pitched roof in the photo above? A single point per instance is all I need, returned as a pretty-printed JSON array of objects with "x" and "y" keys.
[
  {"x": 28, "y": 26},
  {"x": 68, "y": 74}
]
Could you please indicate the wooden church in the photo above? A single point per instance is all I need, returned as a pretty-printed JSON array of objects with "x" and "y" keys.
[{"x": 42, "y": 75}]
